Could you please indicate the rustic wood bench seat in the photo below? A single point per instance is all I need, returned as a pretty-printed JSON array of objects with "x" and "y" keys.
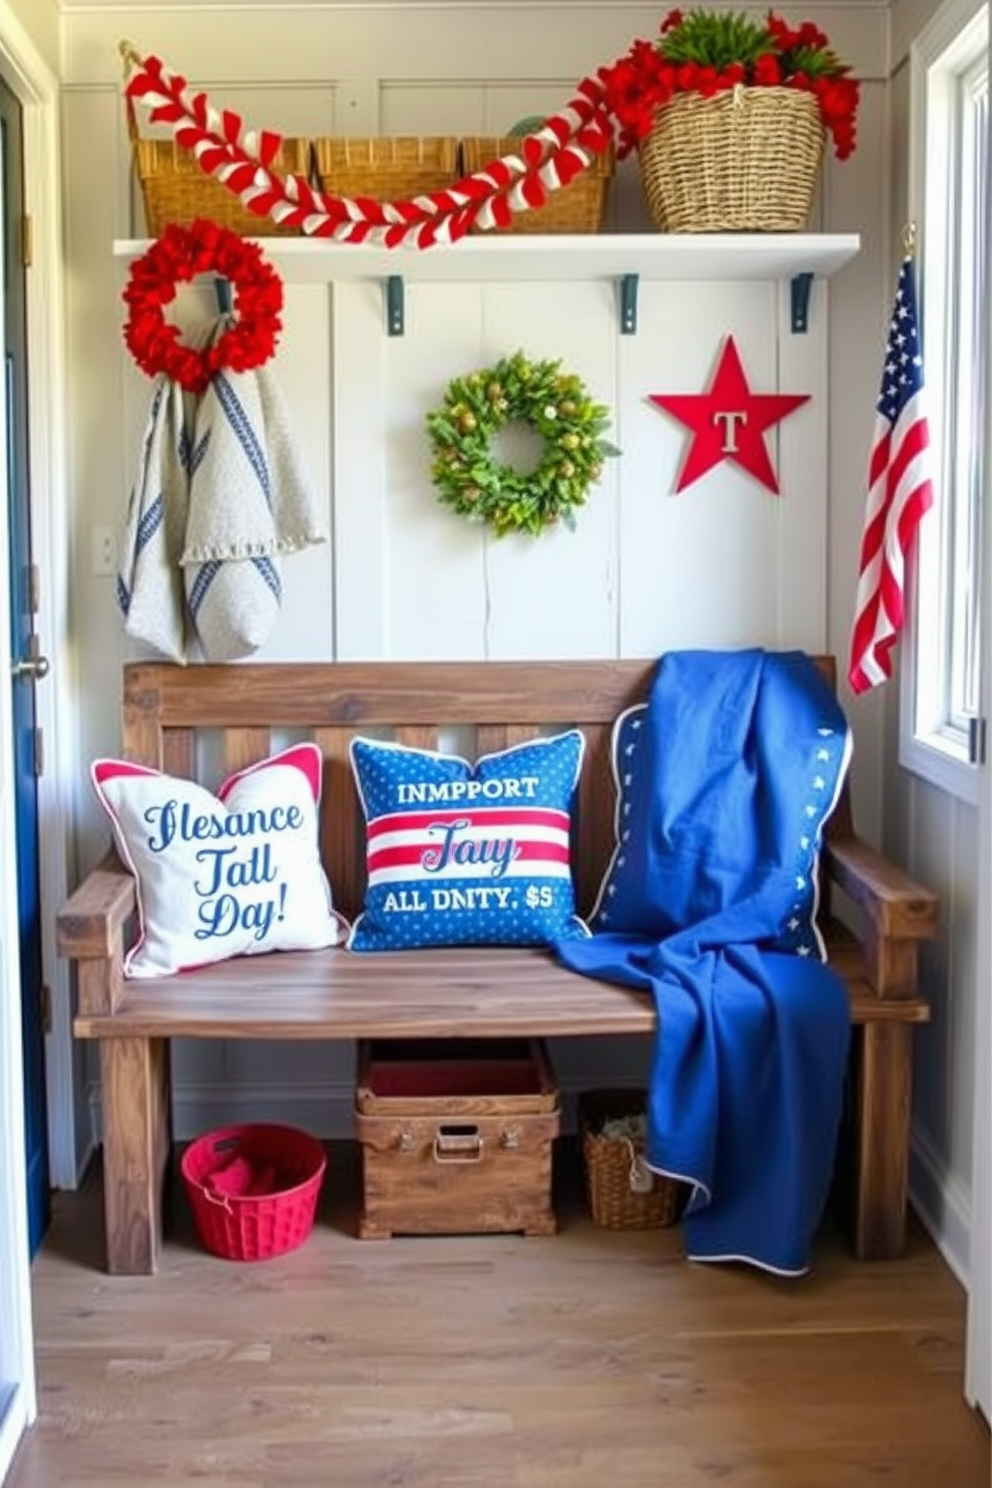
[{"x": 459, "y": 992}]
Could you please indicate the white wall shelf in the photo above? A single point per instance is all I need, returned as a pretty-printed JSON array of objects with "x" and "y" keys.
[
  {"x": 563, "y": 257},
  {"x": 626, "y": 258}
]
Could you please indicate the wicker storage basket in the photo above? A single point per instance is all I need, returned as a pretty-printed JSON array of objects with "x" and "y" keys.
[
  {"x": 175, "y": 189},
  {"x": 742, "y": 161},
  {"x": 385, "y": 169},
  {"x": 611, "y": 1166},
  {"x": 579, "y": 207}
]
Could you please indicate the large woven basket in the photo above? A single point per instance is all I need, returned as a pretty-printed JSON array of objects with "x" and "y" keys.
[
  {"x": 745, "y": 160},
  {"x": 579, "y": 207},
  {"x": 385, "y": 168},
  {"x": 175, "y": 189},
  {"x": 613, "y": 1172}
]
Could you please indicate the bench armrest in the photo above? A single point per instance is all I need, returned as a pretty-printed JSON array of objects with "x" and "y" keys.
[
  {"x": 91, "y": 921},
  {"x": 898, "y": 913},
  {"x": 897, "y": 906}
]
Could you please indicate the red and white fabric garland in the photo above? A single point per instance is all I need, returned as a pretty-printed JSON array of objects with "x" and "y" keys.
[{"x": 241, "y": 160}]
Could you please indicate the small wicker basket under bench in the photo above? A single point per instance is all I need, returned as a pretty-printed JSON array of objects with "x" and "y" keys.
[{"x": 466, "y": 992}]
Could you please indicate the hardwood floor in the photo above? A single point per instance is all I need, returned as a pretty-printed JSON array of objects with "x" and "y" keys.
[{"x": 592, "y": 1359}]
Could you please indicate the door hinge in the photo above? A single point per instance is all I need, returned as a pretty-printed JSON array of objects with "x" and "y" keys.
[
  {"x": 39, "y": 751},
  {"x": 27, "y": 240},
  {"x": 34, "y": 588},
  {"x": 976, "y": 741},
  {"x": 45, "y": 1007}
]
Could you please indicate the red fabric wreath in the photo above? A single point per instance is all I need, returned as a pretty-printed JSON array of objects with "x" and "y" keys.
[{"x": 177, "y": 257}]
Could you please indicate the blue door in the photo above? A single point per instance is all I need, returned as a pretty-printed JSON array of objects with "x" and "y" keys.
[{"x": 27, "y": 665}]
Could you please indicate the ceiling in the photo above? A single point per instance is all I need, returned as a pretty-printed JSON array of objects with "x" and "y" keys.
[{"x": 124, "y": 7}]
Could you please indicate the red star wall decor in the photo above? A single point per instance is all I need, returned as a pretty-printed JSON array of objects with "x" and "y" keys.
[{"x": 728, "y": 422}]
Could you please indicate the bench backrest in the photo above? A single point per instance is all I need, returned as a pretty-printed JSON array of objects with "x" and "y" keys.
[{"x": 243, "y": 713}]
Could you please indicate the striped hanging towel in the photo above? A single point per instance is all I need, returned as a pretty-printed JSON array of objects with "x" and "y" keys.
[
  {"x": 250, "y": 502},
  {"x": 149, "y": 580},
  {"x": 221, "y": 496}
]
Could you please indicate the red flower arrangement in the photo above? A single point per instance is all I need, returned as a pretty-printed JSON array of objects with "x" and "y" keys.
[
  {"x": 705, "y": 52},
  {"x": 177, "y": 257}
]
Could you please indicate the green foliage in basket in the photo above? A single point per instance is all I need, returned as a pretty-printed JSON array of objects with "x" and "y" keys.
[
  {"x": 719, "y": 39},
  {"x": 709, "y": 52},
  {"x": 556, "y": 405},
  {"x": 711, "y": 39}
]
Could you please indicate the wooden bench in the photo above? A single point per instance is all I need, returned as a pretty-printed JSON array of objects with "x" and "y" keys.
[{"x": 468, "y": 992}]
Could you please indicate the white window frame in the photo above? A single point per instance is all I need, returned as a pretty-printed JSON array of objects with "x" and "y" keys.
[{"x": 950, "y": 46}]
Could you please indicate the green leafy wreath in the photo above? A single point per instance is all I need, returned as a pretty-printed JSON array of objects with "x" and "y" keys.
[{"x": 556, "y": 406}]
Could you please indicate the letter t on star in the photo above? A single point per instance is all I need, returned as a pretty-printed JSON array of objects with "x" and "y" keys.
[{"x": 728, "y": 422}]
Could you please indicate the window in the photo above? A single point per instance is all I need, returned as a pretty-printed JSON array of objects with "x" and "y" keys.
[{"x": 951, "y": 110}]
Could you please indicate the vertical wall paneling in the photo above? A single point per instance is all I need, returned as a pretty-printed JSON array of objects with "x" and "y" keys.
[
  {"x": 644, "y": 570},
  {"x": 401, "y": 43},
  {"x": 358, "y": 465},
  {"x": 422, "y": 107},
  {"x": 435, "y": 561},
  {"x": 98, "y": 448},
  {"x": 936, "y": 835},
  {"x": 959, "y": 1066},
  {"x": 41, "y": 22},
  {"x": 411, "y": 580},
  {"x": 556, "y": 595},
  {"x": 860, "y": 301},
  {"x": 801, "y": 511},
  {"x": 707, "y": 566}
]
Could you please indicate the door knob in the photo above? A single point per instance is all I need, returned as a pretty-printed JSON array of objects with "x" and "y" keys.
[{"x": 34, "y": 665}]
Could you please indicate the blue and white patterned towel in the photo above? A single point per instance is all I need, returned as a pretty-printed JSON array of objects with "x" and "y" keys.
[{"x": 222, "y": 495}]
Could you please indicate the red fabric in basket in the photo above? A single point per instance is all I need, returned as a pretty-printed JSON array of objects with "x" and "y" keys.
[
  {"x": 253, "y": 1189},
  {"x": 234, "y": 1179},
  {"x": 450, "y": 1077},
  {"x": 238, "y": 1179}
]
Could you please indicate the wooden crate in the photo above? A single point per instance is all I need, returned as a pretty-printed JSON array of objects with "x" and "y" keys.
[{"x": 456, "y": 1137}]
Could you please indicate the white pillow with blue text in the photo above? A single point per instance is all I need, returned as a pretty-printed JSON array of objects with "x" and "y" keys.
[{"x": 232, "y": 874}]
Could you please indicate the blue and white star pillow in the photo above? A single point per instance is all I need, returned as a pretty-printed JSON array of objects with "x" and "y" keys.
[
  {"x": 467, "y": 855},
  {"x": 618, "y": 904}
]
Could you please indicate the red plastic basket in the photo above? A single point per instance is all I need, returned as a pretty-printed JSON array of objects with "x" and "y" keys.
[{"x": 254, "y": 1227}]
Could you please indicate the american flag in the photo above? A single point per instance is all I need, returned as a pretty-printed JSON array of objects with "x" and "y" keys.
[{"x": 899, "y": 493}]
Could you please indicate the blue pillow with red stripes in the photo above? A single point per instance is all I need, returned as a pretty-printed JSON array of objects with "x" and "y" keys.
[{"x": 462, "y": 854}]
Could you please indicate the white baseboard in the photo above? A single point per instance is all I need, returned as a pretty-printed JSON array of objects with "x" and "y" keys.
[{"x": 943, "y": 1204}]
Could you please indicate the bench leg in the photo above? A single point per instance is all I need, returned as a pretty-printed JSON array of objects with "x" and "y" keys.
[
  {"x": 882, "y": 1141},
  {"x": 136, "y": 1143}
]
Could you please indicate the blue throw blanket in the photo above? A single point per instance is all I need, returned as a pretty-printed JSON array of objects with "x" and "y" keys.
[{"x": 724, "y": 782}]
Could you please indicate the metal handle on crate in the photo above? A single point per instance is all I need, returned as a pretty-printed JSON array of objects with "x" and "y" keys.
[{"x": 458, "y": 1144}]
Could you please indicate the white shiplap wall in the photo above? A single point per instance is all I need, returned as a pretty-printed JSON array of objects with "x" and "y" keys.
[
  {"x": 40, "y": 22},
  {"x": 935, "y": 836},
  {"x": 725, "y": 563}
]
